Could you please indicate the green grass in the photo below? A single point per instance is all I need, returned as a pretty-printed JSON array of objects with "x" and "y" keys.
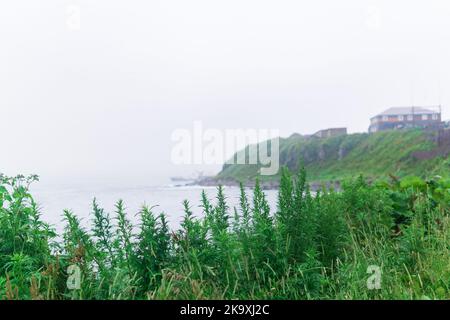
[
  {"x": 342, "y": 157},
  {"x": 310, "y": 247}
]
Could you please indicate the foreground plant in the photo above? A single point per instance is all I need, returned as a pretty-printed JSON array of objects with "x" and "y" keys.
[{"x": 313, "y": 246}]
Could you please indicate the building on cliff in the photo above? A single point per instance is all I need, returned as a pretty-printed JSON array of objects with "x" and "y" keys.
[
  {"x": 406, "y": 117},
  {"x": 331, "y": 132}
]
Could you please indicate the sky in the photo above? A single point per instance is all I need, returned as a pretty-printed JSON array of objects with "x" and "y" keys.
[{"x": 94, "y": 89}]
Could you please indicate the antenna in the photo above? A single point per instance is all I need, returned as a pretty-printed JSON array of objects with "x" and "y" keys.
[
  {"x": 439, "y": 92},
  {"x": 439, "y": 98}
]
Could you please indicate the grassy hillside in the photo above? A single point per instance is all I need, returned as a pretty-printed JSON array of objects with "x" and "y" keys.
[{"x": 338, "y": 158}]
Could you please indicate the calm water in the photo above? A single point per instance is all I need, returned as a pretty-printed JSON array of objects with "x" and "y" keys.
[{"x": 54, "y": 199}]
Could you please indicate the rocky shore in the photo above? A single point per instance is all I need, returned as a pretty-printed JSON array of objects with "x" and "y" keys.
[{"x": 266, "y": 185}]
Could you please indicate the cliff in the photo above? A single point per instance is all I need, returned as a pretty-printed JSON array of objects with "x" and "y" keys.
[{"x": 400, "y": 153}]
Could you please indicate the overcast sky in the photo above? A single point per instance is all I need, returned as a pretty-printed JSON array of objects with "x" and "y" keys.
[{"x": 102, "y": 100}]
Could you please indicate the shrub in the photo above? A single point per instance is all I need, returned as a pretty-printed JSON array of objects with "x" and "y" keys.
[{"x": 314, "y": 246}]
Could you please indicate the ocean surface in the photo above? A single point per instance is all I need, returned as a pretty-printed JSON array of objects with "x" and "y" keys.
[{"x": 53, "y": 199}]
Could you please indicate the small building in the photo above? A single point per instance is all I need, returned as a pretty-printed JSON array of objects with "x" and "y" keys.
[
  {"x": 331, "y": 132},
  {"x": 405, "y": 117}
]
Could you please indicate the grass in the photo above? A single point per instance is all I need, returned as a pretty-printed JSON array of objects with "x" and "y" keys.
[
  {"x": 311, "y": 247},
  {"x": 343, "y": 157}
]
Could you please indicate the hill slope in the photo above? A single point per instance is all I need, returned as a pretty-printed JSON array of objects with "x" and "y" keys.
[{"x": 411, "y": 152}]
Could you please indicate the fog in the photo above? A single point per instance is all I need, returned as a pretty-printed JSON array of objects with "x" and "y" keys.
[{"x": 97, "y": 98}]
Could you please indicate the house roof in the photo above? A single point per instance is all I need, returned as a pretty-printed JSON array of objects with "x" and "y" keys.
[{"x": 396, "y": 111}]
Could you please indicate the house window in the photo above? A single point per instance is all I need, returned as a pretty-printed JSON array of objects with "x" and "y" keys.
[
  {"x": 400, "y": 118},
  {"x": 410, "y": 117},
  {"x": 385, "y": 118},
  {"x": 435, "y": 116},
  {"x": 424, "y": 117}
]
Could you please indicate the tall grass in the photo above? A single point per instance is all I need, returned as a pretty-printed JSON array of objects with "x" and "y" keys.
[{"x": 310, "y": 247}]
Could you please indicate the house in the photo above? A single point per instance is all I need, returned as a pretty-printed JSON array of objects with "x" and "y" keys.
[
  {"x": 331, "y": 132},
  {"x": 405, "y": 117}
]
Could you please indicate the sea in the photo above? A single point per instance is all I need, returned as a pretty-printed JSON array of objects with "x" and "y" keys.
[{"x": 54, "y": 199}]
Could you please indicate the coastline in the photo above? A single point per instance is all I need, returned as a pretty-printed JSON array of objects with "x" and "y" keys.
[{"x": 265, "y": 185}]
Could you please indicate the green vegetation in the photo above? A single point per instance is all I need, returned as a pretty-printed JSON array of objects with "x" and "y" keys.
[
  {"x": 339, "y": 158},
  {"x": 311, "y": 247}
]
